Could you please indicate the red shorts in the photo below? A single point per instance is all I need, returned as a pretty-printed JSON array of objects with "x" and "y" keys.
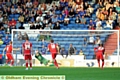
[
  {"x": 28, "y": 57},
  {"x": 99, "y": 56},
  {"x": 54, "y": 55},
  {"x": 9, "y": 56}
]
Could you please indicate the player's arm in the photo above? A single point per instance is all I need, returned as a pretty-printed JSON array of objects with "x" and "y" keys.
[
  {"x": 95, "y": 50},
  {"x": 104, "y": 51},
  {"x": 69, "y": 51},
  {"x": 3, "y": 51},
  {"x": 74, "y": 50},
  {"x": 31, "y": 49},
  {"x": 23, "y": 49},
  {"x": 16, "y": 49},
  {"x": 58, "y": 49}
]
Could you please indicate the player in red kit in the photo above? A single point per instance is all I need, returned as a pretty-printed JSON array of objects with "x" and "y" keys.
[
  {"x": 9, "y": 55},
  {"x": 99, "y": 52},
  {"x": 27, "y": 49},
  {"x": 54, "y": 50}
]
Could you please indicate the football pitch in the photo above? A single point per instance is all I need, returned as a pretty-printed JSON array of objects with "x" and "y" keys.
[{"x": 71, "y": 73}]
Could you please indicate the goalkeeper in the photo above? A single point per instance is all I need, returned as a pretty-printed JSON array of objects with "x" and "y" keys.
[{"x": 41, "y": 58}]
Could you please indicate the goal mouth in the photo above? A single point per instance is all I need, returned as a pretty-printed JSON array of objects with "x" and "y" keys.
[{"x": 66, "y": 37}]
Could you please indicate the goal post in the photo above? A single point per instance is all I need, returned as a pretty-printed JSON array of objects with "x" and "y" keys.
[{"x": 110, "y": 39}]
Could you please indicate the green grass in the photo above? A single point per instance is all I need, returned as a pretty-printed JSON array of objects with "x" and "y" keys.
[{"x": 71, "y": 73}]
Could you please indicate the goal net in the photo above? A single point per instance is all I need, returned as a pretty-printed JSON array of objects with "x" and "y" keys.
[{"x": 83, "y": 42}]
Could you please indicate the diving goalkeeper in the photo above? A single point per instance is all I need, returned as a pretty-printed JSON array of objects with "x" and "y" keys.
[{"x": 41, "y": 58}]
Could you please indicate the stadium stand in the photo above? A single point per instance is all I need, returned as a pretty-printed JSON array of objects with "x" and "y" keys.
[
  {"x": 103, "y": 12},
  {"x": 64, "y": 40}
]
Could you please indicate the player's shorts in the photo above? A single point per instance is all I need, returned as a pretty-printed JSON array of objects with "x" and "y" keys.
[
  {"x": 28, "y": 57},
  {"x": 54, "y": 55},
  {"x": 99, "y": 56},
  {"x": 9, "y": 56}
]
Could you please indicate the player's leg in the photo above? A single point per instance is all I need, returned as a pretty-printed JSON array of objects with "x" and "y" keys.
[
  {"x": 30, "y": 61},
  {"x": 54, "y": 60},
  {"x": 26, "y": 61},
  {"x": 8, "y": 59},
  {"x": 12, "y": 60},
  {"x": 102, "y": 63},
  {"x": 98, "y": 59},
  {"x": 102, "y": 58}
]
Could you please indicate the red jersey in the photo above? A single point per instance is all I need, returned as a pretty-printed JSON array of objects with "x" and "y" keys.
[
  {"x": 8, "y": 49},
  {"x": 99, "y": 50},
  {"x": 52, "y": 47},
  {"x": 27, "y": 46}
]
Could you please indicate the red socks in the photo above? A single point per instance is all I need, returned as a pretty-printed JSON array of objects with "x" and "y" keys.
[
  {"x": 30, "y": 65},
  {"x": 26, "y": 65},
  {"x": 56, "y": 64}
]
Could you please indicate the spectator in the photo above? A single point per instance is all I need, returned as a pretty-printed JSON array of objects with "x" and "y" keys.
[
  {"x": 108, "y": 25},
  {"x": 18, "y": 10},
  {"x": 98, "y": 41},
  {"x": 66, "y": 20},
  {"x": 6, "y": 41},
  {"x": 40, "y": 36},
  {"x": 118, "y": 19},
  {"x": 98, "y": 22},
  {"x": 38, "y": 26},
  {"x": 91, "y": 23},
  {"x": 48, "y": 36},
  {"x": 39, "y": 18},
  {"x": 60, "y": 19},
  {"x": 32, "y": 26},
  {"x": 81, "y": 52},
  {"x": 19, "y": 3},
  {"x": 8, "y": 3},
  {"x": 8, "y": 30},
  {"x": 21, "y": 19},
  {"x": 13, "y": 23},
  {"x": 83, "y": 20},
  {"x": 1, "y": 33},
  {"x": 32, "y": 19},
  {"x": 27, "y": 18},
  {"x": 101, "y": 16},
  {"x": 29, "y": 3},
  {"x": 43, "y": 50},
  {"x": 47, "y": 27},
  {"x": 85, "y": 42},
  {"x": 57, "y": 26},
  {"x": 71, "y": 50},
  {"x": 99, "y": 27},
  {"x": 63, "y": 52},
  {"x": 91, "y": 40},
  {"x": 82, "y": 13},
  {"x": 1, "y": 19},
  {"x": 18, "y": 25},
  {"x": 71, "y": 13},
  {"x": 54, "y": 19},
  {"x": 13, "y": 10},
  {"x": 90, "y": 9},
  {"x": 8, "y": 11},
  {"x": 1, "y": 41},
  {"x": 5, "y": 19},
  {"x": 35, "y": 3},
  {"x": 25, "y": 36},
  {"x": 66, "y": 11},
  {"x": 19, "y": 36},
  {"x": 77, "y": 20}
]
